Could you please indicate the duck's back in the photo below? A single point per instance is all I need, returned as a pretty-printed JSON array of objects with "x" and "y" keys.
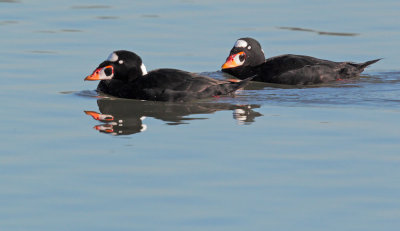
[
  {"x": 177, "y": 80},
  {"x": 296, "y": 69},
  {"x": 177, "y": 85},
  {"x": 300, "y": 69}
]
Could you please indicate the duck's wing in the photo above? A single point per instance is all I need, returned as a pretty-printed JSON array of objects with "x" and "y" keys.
[
  {"x": 300, "y": 69},
  {"x": 295, "y": 69},
  {"x": 177, "y": 85}
]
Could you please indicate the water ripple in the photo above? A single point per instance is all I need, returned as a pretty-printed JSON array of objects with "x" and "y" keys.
[
  {"x": 8, "y": 22},
  {"x": 91, "y": 7},
  {"x": 10, "y": 1},
  {"x": 318, "y": 32}
]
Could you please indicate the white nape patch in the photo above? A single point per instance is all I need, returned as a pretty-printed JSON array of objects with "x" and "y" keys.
[
  {"x": 143, "y": 67},
  {"x": 241, "y": 43},
  {"x": 112, "y": 57}
]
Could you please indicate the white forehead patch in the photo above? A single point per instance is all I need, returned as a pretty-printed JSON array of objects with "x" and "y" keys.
[
  {"x": 241, "y": 43},
  {"x": 144, "y": 71},
  {"x": 112, "y": 57}
]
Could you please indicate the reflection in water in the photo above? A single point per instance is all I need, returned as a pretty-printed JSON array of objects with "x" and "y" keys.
[
  {"x": 318, "y": 32},
  {"x": 124, "y": 117}
]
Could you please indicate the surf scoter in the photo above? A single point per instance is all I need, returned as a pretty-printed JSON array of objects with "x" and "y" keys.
[
  {"x": 124, "y": 75},
  {"x": 247, "y": 59}
]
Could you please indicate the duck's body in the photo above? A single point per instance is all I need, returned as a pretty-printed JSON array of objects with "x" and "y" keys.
[
  {"x": 169, "y": 85},
  {"x": 247, "y": 59},
  {"x": 121, "y": 76}
]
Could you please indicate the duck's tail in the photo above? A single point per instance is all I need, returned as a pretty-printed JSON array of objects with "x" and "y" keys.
[
  {"x": 224, "y": 88},
  {"x": 361, "y": 66},
  {"x": 240, "y": 84}
]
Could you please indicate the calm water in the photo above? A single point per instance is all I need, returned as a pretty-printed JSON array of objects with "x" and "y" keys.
[{"x": 271, "y": 158}]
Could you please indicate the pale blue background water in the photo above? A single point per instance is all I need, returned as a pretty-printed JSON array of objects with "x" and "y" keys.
[{"x": 320, "y": 158}]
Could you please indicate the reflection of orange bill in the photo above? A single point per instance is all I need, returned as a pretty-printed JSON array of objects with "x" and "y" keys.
[
  {"x": 107, "y": 128},
  {"x": 234, "y": 80},
  {"x": 98, "y": 116}
]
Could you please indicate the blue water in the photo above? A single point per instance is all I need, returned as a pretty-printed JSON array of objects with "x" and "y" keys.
[{"x": 272, "y": 158}]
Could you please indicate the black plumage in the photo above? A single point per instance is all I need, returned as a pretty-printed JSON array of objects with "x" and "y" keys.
[
  {"x": 122, "y": 75},
  {"x": 247, "y": 59}
]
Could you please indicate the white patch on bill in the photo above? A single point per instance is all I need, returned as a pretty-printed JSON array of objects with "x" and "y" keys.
[
  {"x": 112, "y": 57},
  {"x": 143, "y": 67},
  {"x": 103, "y": 76},
  {"x": 241, "y": 43}
]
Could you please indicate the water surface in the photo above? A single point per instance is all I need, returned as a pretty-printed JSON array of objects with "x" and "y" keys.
[{"x": 272, "y": 158}]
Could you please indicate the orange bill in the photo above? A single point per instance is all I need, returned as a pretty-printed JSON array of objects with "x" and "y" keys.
[
  {"x": 96, "y": 74},
  {"x": 230, "y": 61},
  {"x": 106, "y": 128}
]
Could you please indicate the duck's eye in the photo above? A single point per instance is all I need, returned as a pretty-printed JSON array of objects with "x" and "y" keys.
[
  {"x": 108, "y": 71},
  {"x": 242, "y": 57}
]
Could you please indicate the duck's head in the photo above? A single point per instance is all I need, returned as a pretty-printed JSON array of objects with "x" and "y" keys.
[
  {"x": 122, "y": 65},
  {"x": 246, "y": 52}
]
